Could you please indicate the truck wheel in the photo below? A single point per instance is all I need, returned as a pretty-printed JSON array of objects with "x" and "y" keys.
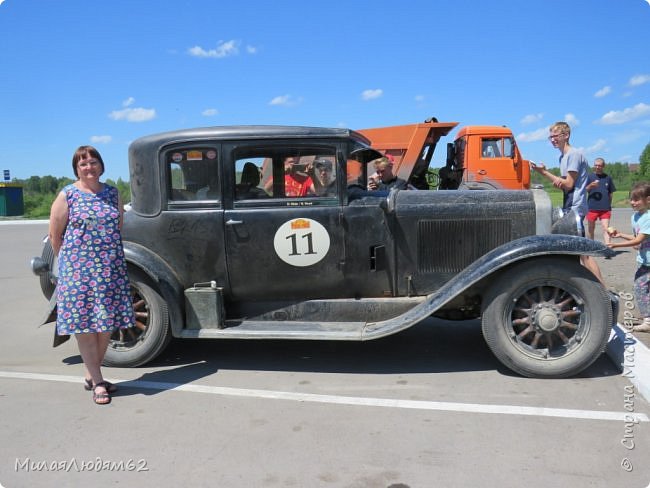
[
  {"x": 547, "y": 318},
  {"x": 142, "y": 343}
]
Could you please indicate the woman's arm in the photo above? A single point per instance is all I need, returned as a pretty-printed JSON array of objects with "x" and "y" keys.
[{"x": 58, "y": 221}]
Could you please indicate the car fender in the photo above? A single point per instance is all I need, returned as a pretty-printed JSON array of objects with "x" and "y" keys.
[
  {"x": 500, "y": 257},
  {"x": 163, "y": 277}
]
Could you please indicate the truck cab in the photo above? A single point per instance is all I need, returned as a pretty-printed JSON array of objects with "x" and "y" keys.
[
  {"x": 487, "y": 158},
  {"x": 480, "y": 158}
]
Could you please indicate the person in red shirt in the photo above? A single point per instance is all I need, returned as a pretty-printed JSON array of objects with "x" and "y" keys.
[{"x": 297, "y": 182}]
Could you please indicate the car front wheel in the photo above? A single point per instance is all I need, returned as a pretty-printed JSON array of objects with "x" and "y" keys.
[
  {"x": 547, "y": 318},
  {"x": 150, "y": 335}
]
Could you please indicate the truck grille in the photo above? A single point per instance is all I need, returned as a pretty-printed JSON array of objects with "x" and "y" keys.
[{"x": 446, "y": 246}]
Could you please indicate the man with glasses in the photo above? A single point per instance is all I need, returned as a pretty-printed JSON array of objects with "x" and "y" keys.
[
  {"x": 600, "y": 187},
  {"x": 573, "y": 182}
]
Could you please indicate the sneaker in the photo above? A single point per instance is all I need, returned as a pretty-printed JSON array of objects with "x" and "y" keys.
[{"x": 643, "y": 326}]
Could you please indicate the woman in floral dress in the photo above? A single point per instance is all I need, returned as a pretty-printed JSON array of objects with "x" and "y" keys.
[{"x": 93, "y": 293}]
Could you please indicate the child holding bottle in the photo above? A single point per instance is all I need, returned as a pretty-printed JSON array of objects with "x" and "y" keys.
[{"x": 639, "y": 239}]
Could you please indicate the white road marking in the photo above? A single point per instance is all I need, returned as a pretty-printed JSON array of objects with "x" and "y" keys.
[
  {"x": 23, "y": 222},
  {"x": 353, "y": 401}
]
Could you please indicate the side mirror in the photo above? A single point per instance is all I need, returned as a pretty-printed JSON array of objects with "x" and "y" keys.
[{"x": 451, "y": 155}]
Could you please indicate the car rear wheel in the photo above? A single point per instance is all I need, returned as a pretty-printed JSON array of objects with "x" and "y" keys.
[
  {"x": 547, "y": 319},
  {"x": 151, "y": 334}
]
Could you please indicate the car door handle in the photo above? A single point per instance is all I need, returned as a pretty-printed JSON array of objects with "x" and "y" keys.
[{"x": 234, "y": 222}]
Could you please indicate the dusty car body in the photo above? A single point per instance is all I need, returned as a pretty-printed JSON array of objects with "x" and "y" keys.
[{"x": 213, "y": 256}]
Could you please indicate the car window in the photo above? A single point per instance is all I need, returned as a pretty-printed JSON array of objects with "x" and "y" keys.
[
  {"x": 192, "y": 174},
  {"x": 508, "y": 147},
  {"x": 294, "y": 172},
  {"x": 248, "y": 179}
]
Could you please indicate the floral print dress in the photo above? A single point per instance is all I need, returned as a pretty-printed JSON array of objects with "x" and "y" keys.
[{"x": 93, "y": 292}]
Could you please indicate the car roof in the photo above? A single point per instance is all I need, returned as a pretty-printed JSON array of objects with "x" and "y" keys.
[{"x": 247, "y": 132}]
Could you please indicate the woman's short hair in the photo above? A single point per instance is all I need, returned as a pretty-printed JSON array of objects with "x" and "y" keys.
[{"x": 84, "y": 152}]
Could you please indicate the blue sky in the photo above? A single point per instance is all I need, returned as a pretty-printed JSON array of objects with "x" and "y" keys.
[{"x": 76, "y": 72}]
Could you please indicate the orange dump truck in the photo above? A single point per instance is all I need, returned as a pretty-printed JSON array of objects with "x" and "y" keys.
[{"x": 480, "y": 158}]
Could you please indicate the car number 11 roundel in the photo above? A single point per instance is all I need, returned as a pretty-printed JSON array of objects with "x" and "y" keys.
[{"x": 301, "y": 242}]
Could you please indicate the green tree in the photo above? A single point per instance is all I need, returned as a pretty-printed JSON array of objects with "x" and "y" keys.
[
  {"x": 620, "y": 173},
  {"x": 33, "y": 184},
  {"x": 49, "y": 184},
  {"x": 644, "y": 165},
  {"x": 37, "y": 205}
]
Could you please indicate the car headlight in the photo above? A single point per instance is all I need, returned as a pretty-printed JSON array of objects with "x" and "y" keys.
[{"x": 568, "y": 223}]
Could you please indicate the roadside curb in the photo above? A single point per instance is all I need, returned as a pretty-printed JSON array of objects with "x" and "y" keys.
[{"x": 631, "y": 357}]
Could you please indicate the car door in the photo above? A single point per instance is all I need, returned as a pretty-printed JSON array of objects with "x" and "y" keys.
[
  {"x": 496, "y": 164},
  {"x": 283, "y": 240}
]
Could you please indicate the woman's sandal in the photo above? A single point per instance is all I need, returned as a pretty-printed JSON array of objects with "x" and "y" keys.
[
  {"x": 110, "y": 387},
  {"x": 101, "y": 398}
]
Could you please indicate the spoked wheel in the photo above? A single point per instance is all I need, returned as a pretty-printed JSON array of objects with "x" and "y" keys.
[
  {"x": 142, "y": 343},
  {"x": 545, "y": 321},
  {"x": 550, "y": 318},
  {"x": 128, "y": 338}
]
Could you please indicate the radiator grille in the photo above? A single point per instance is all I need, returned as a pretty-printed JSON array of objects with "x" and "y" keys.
[{"x": 446, "y": 246}]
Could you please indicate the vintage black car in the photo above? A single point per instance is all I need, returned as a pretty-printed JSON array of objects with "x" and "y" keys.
[{"x": 268, "y": 232}]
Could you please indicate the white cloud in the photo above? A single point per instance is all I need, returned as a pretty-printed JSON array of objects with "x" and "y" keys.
[
  {"x": 419, "y": 98},
  {"x": 571, "y": 119},
  {"x": 537, "y": 135},
  {"x": 133, "y": 114},
  {"x": 532, "y": 118},
  {"x": 251, "y": 49},
  {"x": 280, "y": 100},
  {"x": 223, "y": 49},
  {"x": 639, "y": 79},
  {"x": 372, "y": 94},
  {"x": 285, "y": 100},
  {"x": 100, "y": 139},
  {"x": 606, "y": 90},
  {"x": 128, "y": 102},
  {"x": 625, "y": 115},
  {"x": 595, "y": 147},
  {"x": 208, "y": 112}
]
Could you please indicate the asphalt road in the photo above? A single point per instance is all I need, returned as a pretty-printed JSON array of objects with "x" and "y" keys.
[
  {"x": 619, "y": 270},
  {"x": 428, "y": 407}
]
